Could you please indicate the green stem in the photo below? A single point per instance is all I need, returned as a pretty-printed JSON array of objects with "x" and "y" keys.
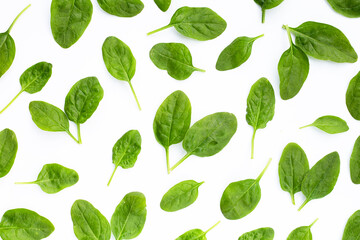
[
  {"x": 159, "y": 29},
  {"x": 306, "y": 126},
  {"x": 133, "y": 91},
  {"x": 253, "y": 144},
  {"x": 72, "y": 136},
  {"x": 17, "y": 17},
  {"x": 263, "y": 15},
  {"x": 212, "y": 227},
  {"x": 292, "y": 198},
  {"x": 199, "y": 70},
  {"x": 34, "y": 182},
  {"x": 313, "y": 223},
  {"x": 167, "y": 160},
  {"x": 264, "y": 170},
  {"x": 260, "y": 36},
  {"x": 180, "y": 161},
  {"x": 78, "y": 133},
  {"x": 112, "y": 175},
  {"x": 303, "y": 205},
  {"x": 17, "y": 95},
  {"x": 288, "y": 34}
]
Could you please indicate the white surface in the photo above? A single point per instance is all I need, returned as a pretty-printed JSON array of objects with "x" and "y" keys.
[{"x": 213, "y": 91}]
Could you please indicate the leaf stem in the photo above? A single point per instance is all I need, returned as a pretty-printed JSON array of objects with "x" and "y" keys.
[
  {"x": 305, "y": 126},
  {"x": 180, "y": 161},
  {"x": 253, "y": 144},
  {"x": 159, "y": 29},
  {"x": 199, "y": 70},
  {"x": 34, "y": 182},
  {"x": 313, "y": 223},
  {"x": 264, "y": 170},
  {"x": 17, "y": 17},
  {"x": 263, "y": 15},
  {"x": 303, "y": 205},
  {"x": 133, "y": 91},
  {"x": 17, "y": 95},
  {"x": 112, "y": 175},
  {"x": 78, "y": 133},
  {"x": 72, "y": 136},
  {"x": 288, "y": 34},
  {"x": 167, "y": 160},
  {"x": 212, "y": 227},
  {"x": 260, "y": 36},
  {"x": 292, "y": 198}
]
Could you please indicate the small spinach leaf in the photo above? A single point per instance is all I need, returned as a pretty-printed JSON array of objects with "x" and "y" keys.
[
  {"x": 329, "y": 124},
  {"x": 236, "y": 53},
  {"x": 353, "y": 97},
  {"x": 122, "y": 8},
  {"x": 197, "y": 23},
  {"x": 69, "y": 20},
  {"x": 303, "y": 233},
  {"x": 352, "y": 228},
  {"x": 267, "y": 4},
  {"x": 355, "y": 162},
  {"x": 196, "y": 234},
  {"x": 259, "y": 234},
  {"x": 129, "y": 217},
  {"x": 8, "y": 150},
  {"x": 126, "y": 151},
  {"x": 163, "y": 5},
  {"x": 175, "y": 58},
  {"x": 348, "y": 8}
]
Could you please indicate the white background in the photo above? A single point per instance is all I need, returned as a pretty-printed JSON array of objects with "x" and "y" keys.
[{"x": 323, "y": 93}]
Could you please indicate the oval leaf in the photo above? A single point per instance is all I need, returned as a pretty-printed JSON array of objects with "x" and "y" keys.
[
  {"x": 122, "y": 8},
  {"x": 163, "y": 5},
  {"x": 353, "y": 97},
  {"x": 36, "y": 77},
  {"x": 8, "y": 150},
  {"x": 352, "y": 228},
  {"x": 196, "y": 234},
  {"x": 355, "y": 162},
  {"x": 259, "y": 234},
  {"x": 348, "y": 8},
  {"x": 330, "y": 124},
  {"x": 303, "y": 233}
]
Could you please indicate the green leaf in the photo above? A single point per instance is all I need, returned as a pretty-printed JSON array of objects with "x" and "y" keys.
[
  {"x": 172, "y": 121},
  {"x": 180, "y": 196},
  {"x": 89, "y": 223},
  {"x": 330, "y": 124},
  {"x": 293, "y": 167},
  {"x": 53, "y": 178},
  {"x": 129, "y": 217},
  {"x": 355, "y": 162},
  {"x": 303, "y": 233},
  {"x": 69, "y": 20},
  {"x": 8, "y": 150},
  {"x": 324, "y": 42},
  {"x": 163, "y": 5},
  {"x": 321, "y": 178},
  {"x": 196, "y": 234},
  {"x": 260, "y": 107},
  {"x": 267, "y": 4},
  {"x": 353, "y": 97},
  {"x": 126, "y": 151},
  {"x": 122, "y": 8},
  {"x": 197, "y": 23},
  {"x": 175, "y": 58},
  {"x": 348, "y": 8},
  {"x": 259, "y": 234},
  {"x": 352, "y": 228},
  {"x": 119, "y": 61},
  {"x": 241, "y": 198},
  {"x": 24, "y": 224},
  {"x": 236, "y": 53}
]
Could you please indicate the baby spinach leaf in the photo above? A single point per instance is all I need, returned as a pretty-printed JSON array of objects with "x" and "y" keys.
[
  {"x": 49, "y": 118},
  {"x": 260, "y": 107},
  {"x": 348, "y": 8},
  {"x": 175, "y": 58},
  {"x": 321, "y": 178},
  {"x": 126, "y": 151},
  {"x": 267, "y": 4},
  {"x": 163, "y": 5},
  {"x": 24, "y": 224},
  {"x": 355, "y": 162},
  {"x": 196, "y": 234},
  {"x": 122, "y": 8},
  {"x": 329, "y": 124},
  {"x": 293, "y": 167},
  {"x": 119, "y": 61},
  {"x": 82, "y": 101},
  {"x": 241, "y": 198},
  {"x": 172, "y": 120},
  {"x": 259, "y": 234},
  {"x": 236, "y": 53},
  {"x": 352, "y": 228},
  {"x": 69, "y": 20},
  {"x": 7, "y": 46},
  {"x": 208, "y": 136},
  {"x": 293, "y": 70},
  {"x": 129, "y": 217},
  {"x": 353, "y": 97},
  {"x": 89, "y": 223},
  {"x": 8, "y": 150},
  {"x": 180, "y": 196},
  {"x": 53, "y": 178},
  {"x": 197, "y": 23},
  {"x": 33, "y": 80},
  {"x": 303, "y": 233},
  {"x": 324, "y": 42}
]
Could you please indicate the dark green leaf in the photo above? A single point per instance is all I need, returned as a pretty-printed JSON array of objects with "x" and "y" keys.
[
  {"x": 303, "y": 233},
  {"x": 122, "y": 8},
  {"x": 330, "y": 124},
  {"x": 8, "y": 150},
  {"x": 355, "y": 162},
  {"x": 267, "y": 4},
  {"x": 353, "y": 97},
  {"x": 259, "y": 234},
  {"x": 352, "y": 228},
  {"x": 196, "y": 234},
  {"x": 348, "y": 8},
  {"x": 163, "y": 5}
]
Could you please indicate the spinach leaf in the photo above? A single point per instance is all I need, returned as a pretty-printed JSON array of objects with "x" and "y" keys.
[
  {"x": 172, "y": 120},
  {"x": 303, "y": 233},
  {"x": 353, "y": 97},
  {"x": 324, "y": 42},
  {"x": 89, "y": 223},
  {"x": 24, "y": 224},
  {"x": 8, "y": 150},
  {"x": 196, "y": 234},
  {"x": 180, "y": 196},
  {"x": 355, "y": 162},
  {"x": 126, "y": 151},
  {"x": 293, "y": 167},
  {"x": 241, "y": 198},
  {"x": 260, "y": 107},
  {"x": 321, "y": 178},
  {"x": 348, "y": 8},
  {"x": 175, "y": 58},
  {"x": 352, "y": 228},
  {"x": 119, "y": 61},
  {"x": 329, "y": 124},
  {"x": 53, "y": 178},
  {"x": 82, "y": 101},
  {"x": 293, "y": 70},
  {"x": 267, "y": 4},
  {"x": 122, "y": 8},
  {"x": 33, "y": 80},
  {"x": 163, "y": 5},
  {"x": 7, "y": 47},
  {"x": 49, "y": 118},
  {"x": 197, "y": 23},
  {"x": 129, "y": 217},
  {"x": 236, "y": 53},
  {"x": 259, "y": 234},
  {"x": 69, "y": 20},
  {"x": 208, "y": 136}
]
